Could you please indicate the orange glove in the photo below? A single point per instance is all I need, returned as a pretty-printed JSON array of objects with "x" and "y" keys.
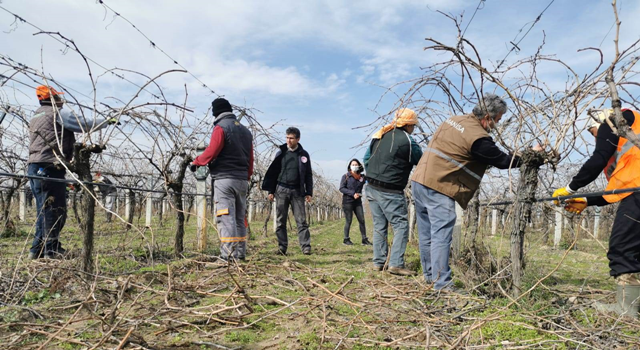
[{"x": 575, "y": 205}]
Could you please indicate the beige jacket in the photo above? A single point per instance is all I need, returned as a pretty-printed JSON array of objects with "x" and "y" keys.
[{"x": 447, "y": 165}]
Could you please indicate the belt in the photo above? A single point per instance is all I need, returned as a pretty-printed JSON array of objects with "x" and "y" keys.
[
  {"x": 386, "y": 185},
  {"x": 291, "y": 187}
]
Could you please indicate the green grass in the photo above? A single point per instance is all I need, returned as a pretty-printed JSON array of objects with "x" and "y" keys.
[{"x": 393, "y": 307}]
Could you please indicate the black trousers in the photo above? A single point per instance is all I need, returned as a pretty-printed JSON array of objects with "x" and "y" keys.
[
  {"x": 624, "y": 244},
  {"x": 349, "y": 209}
]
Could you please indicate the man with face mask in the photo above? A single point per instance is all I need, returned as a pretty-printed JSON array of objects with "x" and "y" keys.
[{"x": 450, "y": 171}]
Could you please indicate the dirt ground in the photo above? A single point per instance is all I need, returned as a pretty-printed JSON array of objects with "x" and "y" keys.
[{"x": 141, "y": 296}]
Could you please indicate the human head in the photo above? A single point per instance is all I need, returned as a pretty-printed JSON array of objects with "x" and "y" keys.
[
  {"x": 293, "y": 137},
  {"x": 407, "y": 119},
  {"x": 355, "y": 162},
  {"x": 46, "y": 93},
  {"x": 219, "y": 106},
  {"x": 490, "y": 111}
]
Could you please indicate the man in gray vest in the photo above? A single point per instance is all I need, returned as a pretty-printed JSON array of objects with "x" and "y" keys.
[
  {"x": 51, "y": 142},
  {"x": 230, "y": 159},
  {"x": 450, "y": 171},
  {"x": 289, "y": 180},
  {"x": 388, "y": 162}
]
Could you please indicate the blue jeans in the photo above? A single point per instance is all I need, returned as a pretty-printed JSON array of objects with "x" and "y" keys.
[
  {"x": 436, "y": 215},
  {"x": 51, "y": 207},
  {"x": 388, "y": 208}
]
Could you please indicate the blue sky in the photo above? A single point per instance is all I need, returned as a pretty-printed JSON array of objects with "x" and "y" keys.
[{"x": 319, "y": 65}]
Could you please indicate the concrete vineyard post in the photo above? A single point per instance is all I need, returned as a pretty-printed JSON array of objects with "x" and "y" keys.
[
  {"x": 22, "y": 213},
  {"x": 273, "y": 211},
  {"x": 596, "y": 223},
  {"x": 149, "y": 205},
  {"x": 201, "y": 203},
  {"x": 558, "y": 229},
  {"x": 494, "y": 221}
]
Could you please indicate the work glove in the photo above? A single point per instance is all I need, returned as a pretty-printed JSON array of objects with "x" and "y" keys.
[
  {"x": 575, "y": 205},
  {"x": 563, "y": 191},
  {"x": 112, "y": 121},
  {"x": 193, "y": 168}
]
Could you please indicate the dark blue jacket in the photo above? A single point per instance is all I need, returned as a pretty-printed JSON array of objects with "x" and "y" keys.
[
  {"x": 350, "y": 186},
  {"x": 270, "y": 182}
]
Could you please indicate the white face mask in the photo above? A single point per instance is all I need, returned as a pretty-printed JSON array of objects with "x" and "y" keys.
[{"x": 355, "y": 168}]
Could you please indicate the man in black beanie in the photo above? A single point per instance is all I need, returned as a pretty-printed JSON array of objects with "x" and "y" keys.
[{"x": 230, "y": 160}]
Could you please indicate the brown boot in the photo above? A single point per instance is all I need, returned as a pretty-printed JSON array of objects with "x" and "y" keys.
[{"x": 401, "y": 271}]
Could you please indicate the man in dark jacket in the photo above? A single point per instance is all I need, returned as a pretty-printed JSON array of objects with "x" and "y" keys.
[
  {"x": 51, "y": 139},
  {"x": 618, "y": 158},
  {"x": 289, "y": 180},
  {"x": 388, "y": 162},
  {"x": 230, "y": 160}
]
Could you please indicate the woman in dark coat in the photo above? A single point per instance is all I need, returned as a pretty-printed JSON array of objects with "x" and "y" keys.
[{"x": 351, "y": 186}]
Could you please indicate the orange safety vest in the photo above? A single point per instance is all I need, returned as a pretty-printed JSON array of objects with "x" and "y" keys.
[{"x": 625, "y": 165}]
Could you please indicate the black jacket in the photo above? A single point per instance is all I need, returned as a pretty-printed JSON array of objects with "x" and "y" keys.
[
  {"x": 350, "y": 186},
  {"x": 270, "y": 181},
  {"x": 606, "y": 146}
]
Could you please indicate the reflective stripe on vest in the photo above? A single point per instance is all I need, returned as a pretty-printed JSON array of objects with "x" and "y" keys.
[
  {"x": 626, "y": 166},
  {"x": 454, "y": 162}
]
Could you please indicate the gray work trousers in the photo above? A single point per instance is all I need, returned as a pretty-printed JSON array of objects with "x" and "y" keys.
[
  {"x": 230, "y": 196},
  {"x": 286, "y": 197}
]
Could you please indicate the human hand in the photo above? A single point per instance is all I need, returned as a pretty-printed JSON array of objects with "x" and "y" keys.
[
  {"x": 307, "y": 198},
  {"x": 193, "y": 168},
  {"x": 270, "y": 197},
  {"x": 357, "y": 195},
  {"x": 575, "y": 205},
  {"x": 563, "y": 191}
]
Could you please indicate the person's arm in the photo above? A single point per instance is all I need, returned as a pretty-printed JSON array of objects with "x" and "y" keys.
[
  {"x": 251, "y": 162},
  {"x": 343, "y": 186},
  {"x": 309, "y": 178},
  {"x": 215, "y": 147},
  {"x": 606, "y": 146},
  {"x": 77, "y": 123},
  {"x": 486, "y": 151},
  {"x": 599, "y": 201},
  {"x": 367, "y": 155},
  {"x": 416, "y": 152},
  {"x": 270, "y": 180}
]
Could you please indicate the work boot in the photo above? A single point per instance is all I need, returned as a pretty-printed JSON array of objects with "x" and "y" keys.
[
  {"x": 347, "y": 241},
  {"x": 627, "y": 297},
  {"x": 375, "y": 267},
  {"x": 365, "y": 241},
  {"x": 400, "y": 271}
]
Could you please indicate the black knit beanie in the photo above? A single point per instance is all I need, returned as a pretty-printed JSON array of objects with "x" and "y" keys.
[{"x": 219, "y": 106}]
